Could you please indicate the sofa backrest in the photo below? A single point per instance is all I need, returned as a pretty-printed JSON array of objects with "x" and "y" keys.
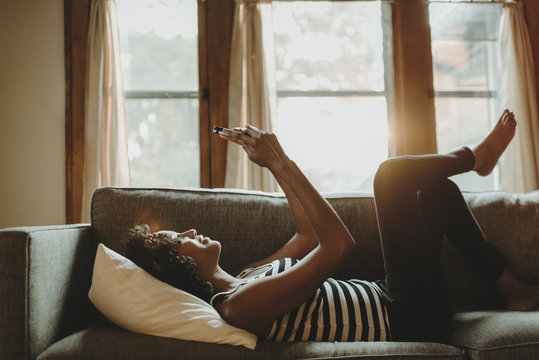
[{"x": 251, "y": 225}]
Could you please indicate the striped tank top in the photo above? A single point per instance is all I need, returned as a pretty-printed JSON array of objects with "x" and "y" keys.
[{"x": 339, "y": 310}]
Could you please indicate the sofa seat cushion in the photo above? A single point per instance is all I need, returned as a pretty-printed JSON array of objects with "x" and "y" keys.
[
  {"x": 498, "y": 334},
  {"x": 110, "y": 342}
]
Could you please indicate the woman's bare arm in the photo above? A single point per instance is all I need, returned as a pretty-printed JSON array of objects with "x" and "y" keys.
[
  {"x": 256, "y": 305},
  {"x": 303, "y": 241}
]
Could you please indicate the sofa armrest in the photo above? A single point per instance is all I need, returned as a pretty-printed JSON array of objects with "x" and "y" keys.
[{"x": 45, "y": 275}]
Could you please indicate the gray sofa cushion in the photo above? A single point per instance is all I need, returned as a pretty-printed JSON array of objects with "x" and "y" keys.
[
  {"x": 108, "y": 342},
  {"x": 491, "y": 335}
]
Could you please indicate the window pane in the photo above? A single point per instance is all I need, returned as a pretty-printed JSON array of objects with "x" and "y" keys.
[
  {"x": 464, "y": 46},
  {"x": 159, "y": 42},
  {"x": 465, "y": 62},
  {"x": 163, "y": 151},
  {"x": 337, "y": 142},
  {"x": 328, "y": 45},
  {"x": 332, "y": 46},
  {"x": 160, "y": 53}
]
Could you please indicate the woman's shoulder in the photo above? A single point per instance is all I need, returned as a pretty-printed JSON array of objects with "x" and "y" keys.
[{"x": 252, "y": 273}]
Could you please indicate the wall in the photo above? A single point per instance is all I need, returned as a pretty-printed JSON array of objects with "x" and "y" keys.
[{"x": 32, "y": 120}]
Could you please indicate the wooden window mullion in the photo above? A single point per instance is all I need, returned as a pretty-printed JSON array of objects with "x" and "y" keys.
[
  {"x": 76, "y": 22},
  {"x": 413, "y": 130},
  {"x": 219, "y": 22}
]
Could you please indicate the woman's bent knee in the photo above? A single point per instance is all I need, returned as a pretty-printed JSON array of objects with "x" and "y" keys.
[{"x": 389, "y": 174}]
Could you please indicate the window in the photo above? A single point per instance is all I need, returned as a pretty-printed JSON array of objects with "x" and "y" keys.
[
  {"x": 331, "y": 87},
  {"x": 159, "y": 42},
  {"x": 333, "y": 82},
  {"x": 465, "y": 64},
  {"x": 195, "y": 157}
]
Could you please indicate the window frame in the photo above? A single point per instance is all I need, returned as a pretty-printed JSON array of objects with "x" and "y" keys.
[{"x": 76, "y": 23}]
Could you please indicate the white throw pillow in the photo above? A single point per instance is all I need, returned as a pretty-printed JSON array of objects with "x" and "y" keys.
[{"x": 136, "y": 301}]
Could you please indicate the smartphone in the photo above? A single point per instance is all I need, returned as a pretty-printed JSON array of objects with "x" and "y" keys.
[{"x": 219, "y": 130}]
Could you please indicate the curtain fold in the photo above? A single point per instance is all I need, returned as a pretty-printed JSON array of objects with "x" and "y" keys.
[
  {"x": 519, "y": 167},
  {"x": 105, "y": 141},
  {"x": 252, "y": 90}
]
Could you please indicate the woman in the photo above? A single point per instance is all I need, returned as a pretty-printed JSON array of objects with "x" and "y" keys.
[{"x": 296, "y": 300}]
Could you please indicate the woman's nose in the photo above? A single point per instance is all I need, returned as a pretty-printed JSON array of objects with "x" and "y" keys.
[{"x": 192, "y": 233}]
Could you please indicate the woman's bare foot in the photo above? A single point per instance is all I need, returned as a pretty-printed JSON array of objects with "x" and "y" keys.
[
  {"x": 519, "y": 295},
  {"x": 488, "y": 151}
]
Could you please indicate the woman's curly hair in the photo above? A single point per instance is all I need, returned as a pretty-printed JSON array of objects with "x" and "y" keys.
[{"x": 156, "y": 254}]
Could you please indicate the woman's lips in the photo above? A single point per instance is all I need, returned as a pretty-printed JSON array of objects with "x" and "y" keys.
[{"x": 203, "y": 240}]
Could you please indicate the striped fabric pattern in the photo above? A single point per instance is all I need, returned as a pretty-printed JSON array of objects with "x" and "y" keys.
[{"x": 340, "y": 310}]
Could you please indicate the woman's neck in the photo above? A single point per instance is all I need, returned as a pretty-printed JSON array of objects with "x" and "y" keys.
[{"x": 222, "y": 281}]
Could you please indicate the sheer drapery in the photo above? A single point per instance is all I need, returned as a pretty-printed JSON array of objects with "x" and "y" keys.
[
  {"x": 252, "y": 96},
  {"x": 519, "y": 168},
  {"x": 105, "y": 144}
]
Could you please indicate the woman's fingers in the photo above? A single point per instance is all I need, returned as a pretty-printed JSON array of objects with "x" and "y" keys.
[
  {"x": 253, "y": 131},
  {"x": 240, "y": 129},
  {"x": 249, "y": 130},
  {"x": 239, "y": 142},
  {"x": 237, "y": 135}
]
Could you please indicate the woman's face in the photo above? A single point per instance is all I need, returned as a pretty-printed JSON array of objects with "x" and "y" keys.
[{"x": 203, "y": 250}]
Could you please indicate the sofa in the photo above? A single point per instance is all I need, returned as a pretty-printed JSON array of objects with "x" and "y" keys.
[{"x": 46, "y": 273}]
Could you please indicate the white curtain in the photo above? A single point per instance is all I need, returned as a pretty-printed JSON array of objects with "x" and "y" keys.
[
  {"x": 519, "y": 168},
  {"x": 252, "y": 96},
  {"x": 105, "y": 144}
]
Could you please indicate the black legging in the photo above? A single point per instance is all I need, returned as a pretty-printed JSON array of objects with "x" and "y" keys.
[{"x": 416, "y": 204}]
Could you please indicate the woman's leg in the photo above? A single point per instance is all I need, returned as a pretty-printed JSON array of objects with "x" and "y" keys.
[
  {"x": 446, "y": 212},
  {"x": 411, "y": 244},
  {"x": 416, "y": 204}
]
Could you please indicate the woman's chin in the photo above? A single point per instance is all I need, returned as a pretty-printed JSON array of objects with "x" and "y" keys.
[{"x": 214, "y": 244}]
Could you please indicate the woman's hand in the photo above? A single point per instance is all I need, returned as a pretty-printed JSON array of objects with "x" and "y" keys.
[{"x": 261, "y": 147}]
